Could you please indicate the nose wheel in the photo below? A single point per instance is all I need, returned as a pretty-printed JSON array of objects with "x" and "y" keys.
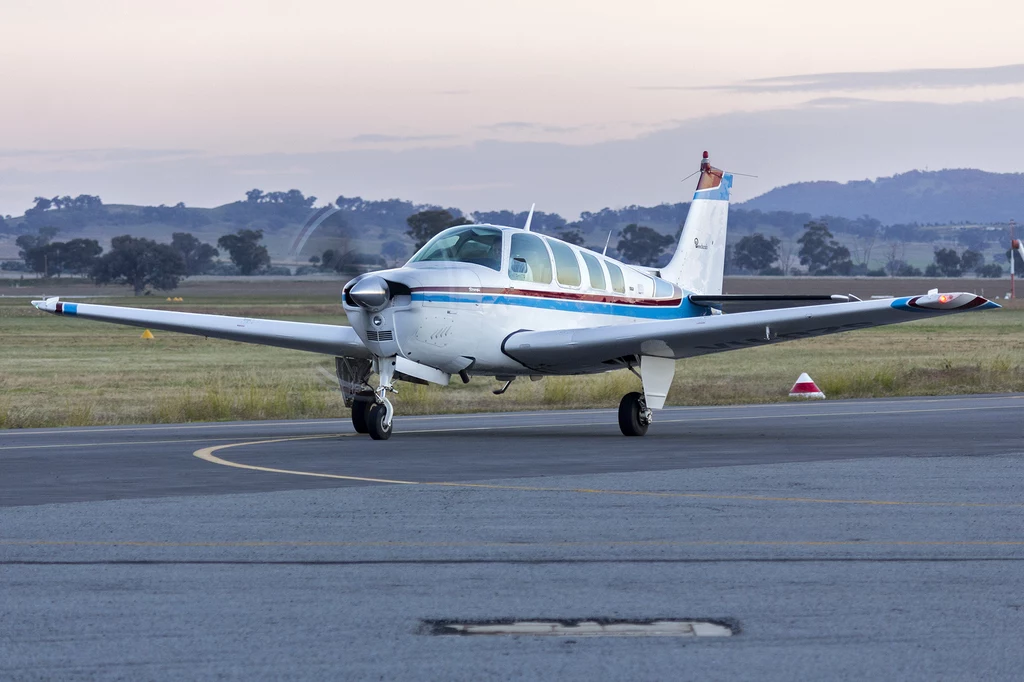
[
  {"x": 378, "y": 423},
  {"x": 381, "y": 412},
  {"x": 634, "y": 415}
]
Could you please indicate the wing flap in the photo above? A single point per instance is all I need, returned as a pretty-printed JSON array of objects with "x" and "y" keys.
[
  {"x": 337, "y": 340},
  {"x": 592, "y": 349}
]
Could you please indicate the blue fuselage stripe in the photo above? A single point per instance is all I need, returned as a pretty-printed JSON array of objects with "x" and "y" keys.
[{"x": 684, "y": 309}]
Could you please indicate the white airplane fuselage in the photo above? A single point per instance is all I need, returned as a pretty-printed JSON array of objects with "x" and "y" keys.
[{"x": 454, "y": 316}]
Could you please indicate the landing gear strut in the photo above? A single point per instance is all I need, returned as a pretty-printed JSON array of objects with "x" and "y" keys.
[
  {"x": 381, "y": 413},
  {"x": 634, "y": 415}
]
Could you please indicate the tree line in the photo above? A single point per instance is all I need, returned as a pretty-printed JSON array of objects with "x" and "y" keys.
[
  {"x": 822, "y": 255},
  {"x": 139, "y": 262}
]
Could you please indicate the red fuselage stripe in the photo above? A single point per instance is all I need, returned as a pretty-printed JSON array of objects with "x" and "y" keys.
[{"x": 567, "y": 295}]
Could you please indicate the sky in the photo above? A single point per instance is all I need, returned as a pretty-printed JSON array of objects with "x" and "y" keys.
[{"x": 574, "y": 105}]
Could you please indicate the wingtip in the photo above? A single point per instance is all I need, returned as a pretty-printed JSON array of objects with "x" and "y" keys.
[{"x": 46, "y": 304}]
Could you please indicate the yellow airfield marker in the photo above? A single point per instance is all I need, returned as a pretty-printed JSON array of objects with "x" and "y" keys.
[
  {"x": 147, "y": 334},
  {"x": 168, "y": 299}
]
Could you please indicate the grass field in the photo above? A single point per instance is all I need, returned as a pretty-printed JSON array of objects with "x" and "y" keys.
[{"x": 58, "y": 372}]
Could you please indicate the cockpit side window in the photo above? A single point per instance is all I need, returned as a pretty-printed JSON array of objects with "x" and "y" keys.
[
  {"x": 567, "y": 268},
  {"x": 594, "y": 268},
  {"x": 615, "y": 275},
  {"x": 478, "y": 245},
  {"x": 528, "y": 259}
]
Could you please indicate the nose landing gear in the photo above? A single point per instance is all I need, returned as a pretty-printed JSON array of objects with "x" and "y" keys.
[
  {"x": 381, "y": 413},
  {"x": 634, "y": 415}
]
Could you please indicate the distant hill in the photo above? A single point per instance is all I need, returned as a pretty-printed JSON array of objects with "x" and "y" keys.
[{"x": 939, "y": 197}]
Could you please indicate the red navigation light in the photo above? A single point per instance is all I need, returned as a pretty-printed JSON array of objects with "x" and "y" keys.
[{"x": 705, "y": 155}]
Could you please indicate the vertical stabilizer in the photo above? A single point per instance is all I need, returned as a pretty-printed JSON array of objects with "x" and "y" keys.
[{"x": 699, "y": 261}]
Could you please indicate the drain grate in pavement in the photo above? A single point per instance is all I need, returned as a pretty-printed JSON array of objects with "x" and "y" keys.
[{"x": 594, "y": 627}]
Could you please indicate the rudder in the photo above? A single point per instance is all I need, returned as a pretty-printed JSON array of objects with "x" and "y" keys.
[{"x": 698, "y": 264}]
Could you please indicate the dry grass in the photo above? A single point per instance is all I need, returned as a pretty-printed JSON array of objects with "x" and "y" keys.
[{"x": 58, "y": 372}]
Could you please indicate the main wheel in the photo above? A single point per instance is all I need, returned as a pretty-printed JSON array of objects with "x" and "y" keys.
[
  {"x": 632, "y": 415},
  {"x": 375, "y": 423},
  {"x": 361, "y": 414}
]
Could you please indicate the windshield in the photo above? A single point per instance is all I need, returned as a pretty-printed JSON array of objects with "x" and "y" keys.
[{"x": 478, "y": 245}]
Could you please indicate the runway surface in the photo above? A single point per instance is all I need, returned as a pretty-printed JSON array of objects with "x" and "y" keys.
[
  {"x": 844, "y": 539},
  {"x": 43, "y": 466}
]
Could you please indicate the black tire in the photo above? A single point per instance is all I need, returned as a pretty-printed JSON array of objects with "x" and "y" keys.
[
  {"x": 375, "y": 423},
  {"x": 630, "y": 408},
  {"x": 361, "y": 414}
]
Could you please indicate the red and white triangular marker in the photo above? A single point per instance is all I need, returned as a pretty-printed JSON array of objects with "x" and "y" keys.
[{"x": 805, "y": 388}]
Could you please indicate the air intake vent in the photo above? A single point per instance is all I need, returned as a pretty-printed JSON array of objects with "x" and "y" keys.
[{"x": 383, "y": 335}]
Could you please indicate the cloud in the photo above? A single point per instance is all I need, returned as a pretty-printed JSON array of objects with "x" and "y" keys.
[
  {"x": 1010, "y": 74},
  {"x": 524, "y": 126},
  {"x": 374, "y": 138}
]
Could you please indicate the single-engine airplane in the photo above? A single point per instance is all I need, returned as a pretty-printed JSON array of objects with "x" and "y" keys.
[{"x": 507, "y": 302}]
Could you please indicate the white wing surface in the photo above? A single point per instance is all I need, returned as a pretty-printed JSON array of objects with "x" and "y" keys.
[
  {"x": 594, "y": 349},
  {"x": 329, "y": 339}
]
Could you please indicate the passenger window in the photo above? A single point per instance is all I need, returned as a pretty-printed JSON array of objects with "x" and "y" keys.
[
  {"x": 567, "y": 268},
  {"x": 529, "y": 260},
  {"x": 615, "y": 275},
  {"x": 662, "y": 289},
  {"x": 594, "y": 268}
]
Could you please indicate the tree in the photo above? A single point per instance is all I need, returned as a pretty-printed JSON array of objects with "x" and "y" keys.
[
  {"x": 570, "y": 235},
  {"x": 423, "y": 226},
  {"x": 756, "y": 253},
  {"x": 642, "y": 245},
  {"x": 822, "y": 254},
  {"x": 990, "y": 270},
  {"x": 78, "y": 256},
  {"x": 947, "y": 264},
  {"x": 198, "y": 257},
  {"x": 246, "y": 251},
  {"x": 393, "y": 251},
  {"x": 139, "y": 263},
  {"x": 971, "y": 260}
]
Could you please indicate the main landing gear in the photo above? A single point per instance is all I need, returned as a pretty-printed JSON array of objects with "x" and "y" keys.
[{"x": 634, "y": 415}]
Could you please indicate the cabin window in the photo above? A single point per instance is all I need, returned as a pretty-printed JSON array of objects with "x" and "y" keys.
[
  {"x": 567, "y": 268},
  {"x": 662, "y": 289},
  {"x": 477, "y": 245},
  {"x": 615, "y": 275},
  {"x": 594, "y": 268},
  {"x": 528, "y": 259}
]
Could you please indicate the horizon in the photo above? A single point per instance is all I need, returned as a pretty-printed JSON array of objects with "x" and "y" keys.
[{"x": 324, "y": 202}]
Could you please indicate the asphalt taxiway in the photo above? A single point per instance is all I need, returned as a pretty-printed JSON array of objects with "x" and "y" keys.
[{"x": 845, "y": 539}]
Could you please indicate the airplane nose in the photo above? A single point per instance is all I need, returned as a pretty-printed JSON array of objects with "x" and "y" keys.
[{"x": 371, "y": 293}]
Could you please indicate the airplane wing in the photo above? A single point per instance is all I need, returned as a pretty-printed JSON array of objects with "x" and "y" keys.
[
  {"x": 329, "y": 339},
  {"x": 595, "y": 348}
]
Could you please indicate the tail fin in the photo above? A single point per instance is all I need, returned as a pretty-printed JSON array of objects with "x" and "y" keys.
[{"x": 699, "y": 261}]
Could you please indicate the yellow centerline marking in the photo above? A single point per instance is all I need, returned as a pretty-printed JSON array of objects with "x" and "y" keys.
[{"x": 208, "y": 455}]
